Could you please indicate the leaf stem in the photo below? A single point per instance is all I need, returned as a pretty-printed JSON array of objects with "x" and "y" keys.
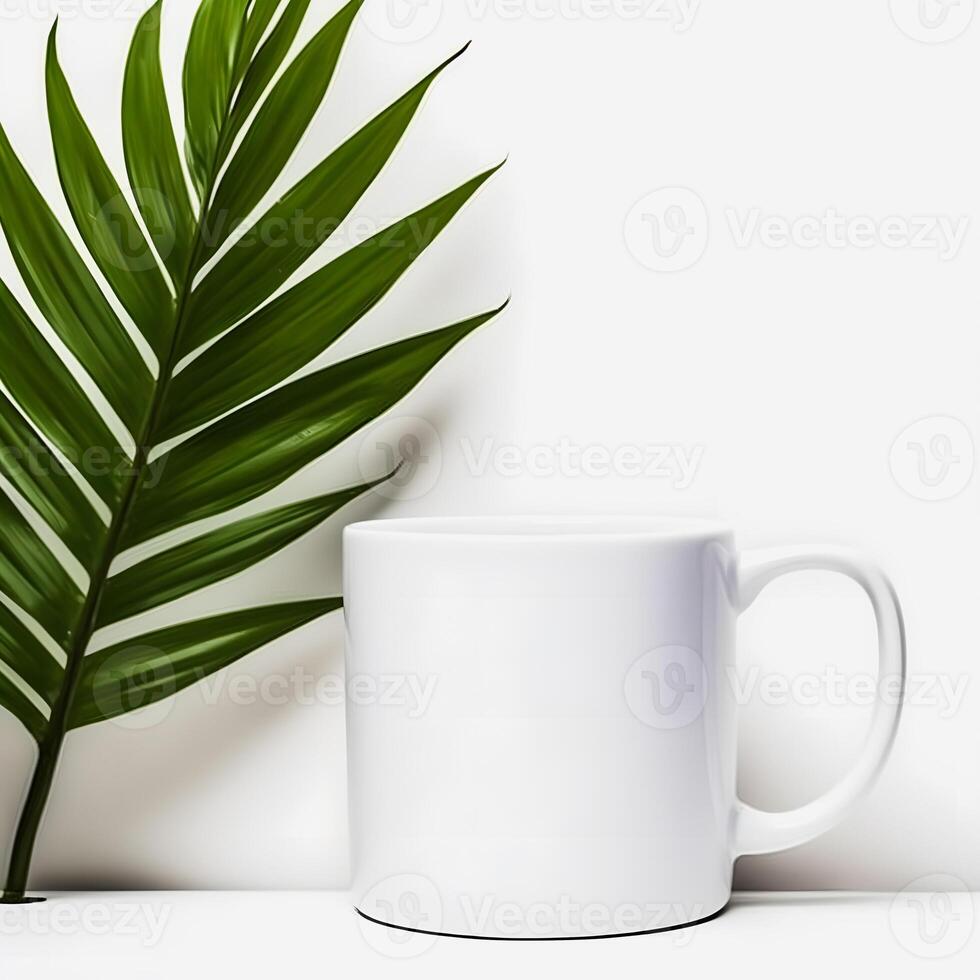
[
  {"x": 30, "y": 818},
  {"x": 50, "y": 747}
]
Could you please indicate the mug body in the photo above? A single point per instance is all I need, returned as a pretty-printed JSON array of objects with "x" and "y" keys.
[{"x": 541, "y": 735}]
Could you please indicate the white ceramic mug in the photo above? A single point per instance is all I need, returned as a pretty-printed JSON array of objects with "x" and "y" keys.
[{"x": 542, "y": 726}]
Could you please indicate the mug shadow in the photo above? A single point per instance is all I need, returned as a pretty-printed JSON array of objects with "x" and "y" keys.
[{"x": 796, "y": 899}]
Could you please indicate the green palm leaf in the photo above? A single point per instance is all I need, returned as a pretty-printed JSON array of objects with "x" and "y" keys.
[
  {"x": 210, "y": 69},
  {"x": 214, "y": 556},
  {"x": 75, "y": 492},
  {"x": 30, "y": 465},
  {"x": 103, "y": 217},
  {"x": 51, "y": 397},
  {"x": 67, "y": 294},
  {"x": 33, "y": 578},
  {"x": 255, "y": 27},
  {"x": 262, "y": 68},
  {"x": 251, "y": 271},
  {"x": 256, "y": 448},
  {"x": 145, "y": 669},
  {"x": 152, "y": 159},
  {"x": 21, "y": 707},
  {"x": 298, "y": 326},
  {"x": 278, "y": 127},
  {"x": 26, "y": 657}
]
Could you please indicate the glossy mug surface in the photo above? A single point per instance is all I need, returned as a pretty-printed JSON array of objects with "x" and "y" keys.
[{"x": 541, "y": 725}]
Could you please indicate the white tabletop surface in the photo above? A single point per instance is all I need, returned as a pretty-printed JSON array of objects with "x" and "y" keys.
[{"x": 192, "y": 935}]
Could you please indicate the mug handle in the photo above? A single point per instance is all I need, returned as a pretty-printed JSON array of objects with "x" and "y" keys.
[{"x": 758, "y": 831}]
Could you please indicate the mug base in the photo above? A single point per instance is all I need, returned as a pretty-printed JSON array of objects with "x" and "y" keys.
[{"x": 545, "y": 939}]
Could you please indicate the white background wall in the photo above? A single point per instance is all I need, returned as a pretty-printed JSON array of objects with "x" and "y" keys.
[{"x": 783, "y": 374}]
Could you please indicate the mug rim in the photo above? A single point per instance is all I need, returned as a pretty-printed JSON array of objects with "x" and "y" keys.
[{"x": 545, "y": 527}]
